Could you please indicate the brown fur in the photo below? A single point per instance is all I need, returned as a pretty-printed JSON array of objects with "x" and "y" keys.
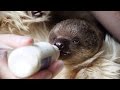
[{"x": 105, "y": 62}]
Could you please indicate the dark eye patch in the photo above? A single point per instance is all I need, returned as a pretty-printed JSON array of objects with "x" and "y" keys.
[{"x": 76, "y": 40}]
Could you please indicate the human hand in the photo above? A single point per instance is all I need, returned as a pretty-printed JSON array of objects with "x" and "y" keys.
[
  {"x": 16, "y": 41},
  {"x": 110, "y": 20}
]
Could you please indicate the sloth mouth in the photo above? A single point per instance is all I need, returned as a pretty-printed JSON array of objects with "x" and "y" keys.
[{"x": 64, "y": 54}]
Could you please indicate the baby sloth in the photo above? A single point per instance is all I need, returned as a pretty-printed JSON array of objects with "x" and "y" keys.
[
  {"x": 76, "y": 39},
  {"x": 80, "y": 44}
]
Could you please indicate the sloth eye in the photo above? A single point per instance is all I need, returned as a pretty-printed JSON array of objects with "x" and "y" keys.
[
  {"x": 37, "y": 13},
  {"x": 76, "y": 41}
]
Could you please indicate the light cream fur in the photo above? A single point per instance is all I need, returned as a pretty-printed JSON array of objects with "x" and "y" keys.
[
  {"x": 104, "y": 65},
  {"x": 18, "y": 22}
]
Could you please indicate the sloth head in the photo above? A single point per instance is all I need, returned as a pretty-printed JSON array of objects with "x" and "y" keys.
[{"x": 77, "y": 40}]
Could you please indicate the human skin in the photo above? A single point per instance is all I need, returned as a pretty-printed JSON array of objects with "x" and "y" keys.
[
  {"x": 110, "y": 20},
  {"x": 16, "y": 41}
]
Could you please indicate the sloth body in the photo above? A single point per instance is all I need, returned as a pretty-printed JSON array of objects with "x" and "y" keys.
[
  {"x": 96, "y": 56},
  {"x": 85, "y": 53}
]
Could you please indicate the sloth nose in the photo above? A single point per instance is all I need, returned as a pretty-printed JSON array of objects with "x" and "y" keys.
[{"x": 60, "y": 45}]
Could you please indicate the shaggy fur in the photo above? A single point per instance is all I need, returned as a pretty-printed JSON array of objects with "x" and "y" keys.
[
  {"x": 18, "y": 22},
  {"x": 104, "y": 65}
]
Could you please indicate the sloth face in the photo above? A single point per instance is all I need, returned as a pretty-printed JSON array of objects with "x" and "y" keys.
[{"x": 76, "y": 39}]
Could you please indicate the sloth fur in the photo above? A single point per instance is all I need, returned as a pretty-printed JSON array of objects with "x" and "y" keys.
[{"x": 103, "y": 65}]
